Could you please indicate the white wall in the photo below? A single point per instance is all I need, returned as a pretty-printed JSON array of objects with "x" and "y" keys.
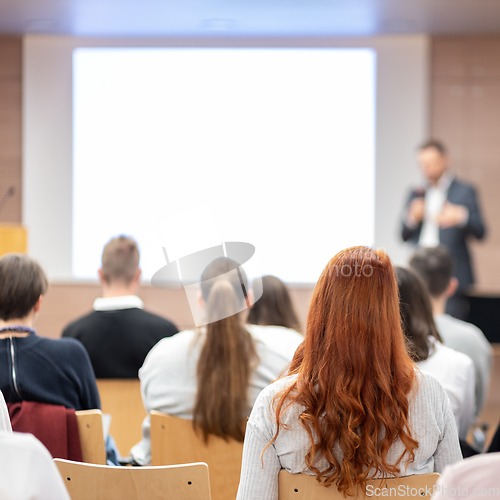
[{"x": 402, "y": 122}]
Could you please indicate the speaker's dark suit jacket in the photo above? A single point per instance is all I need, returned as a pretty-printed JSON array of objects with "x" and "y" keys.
[{"x": 455, "y": 238}]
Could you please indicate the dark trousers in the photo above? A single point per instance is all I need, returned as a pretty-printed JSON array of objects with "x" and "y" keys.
[
  {"x": 467, "y": 450},
  {"x": 495, "y": 443}
]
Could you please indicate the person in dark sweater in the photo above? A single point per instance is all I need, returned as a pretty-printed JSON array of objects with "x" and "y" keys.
[
  {"x": 118, "y": 333},
  {"x": 34, "y": 368}
]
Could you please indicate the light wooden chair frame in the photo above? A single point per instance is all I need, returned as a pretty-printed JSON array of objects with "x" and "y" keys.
[
  {"x": 101, "y": 482},
  {"x": 121, "y": 398},
  {"x": 306, "y": 487},
  {"x": 174, "y": 441},
  {"x": 91, "y": 436}
]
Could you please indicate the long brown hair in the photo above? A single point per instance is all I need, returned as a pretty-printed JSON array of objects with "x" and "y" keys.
[
  {"x": 416, "y": 313},
  {"x": 353, "y": 372},
  {"x": 227, "y": 356},
  {"x": 275, "y": 306}
]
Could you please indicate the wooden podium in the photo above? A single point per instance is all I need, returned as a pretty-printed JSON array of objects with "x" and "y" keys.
[{"x": 13, "y": 238}]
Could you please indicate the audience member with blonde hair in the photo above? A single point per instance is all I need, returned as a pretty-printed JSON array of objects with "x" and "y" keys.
[
  {"x": 212, "y": 375},
  {"x": 118, "y": 333},
  {"x": 353, "y": 406}
]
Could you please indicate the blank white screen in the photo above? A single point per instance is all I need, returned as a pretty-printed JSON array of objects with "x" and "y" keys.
[{"x": 278, "y": 143}]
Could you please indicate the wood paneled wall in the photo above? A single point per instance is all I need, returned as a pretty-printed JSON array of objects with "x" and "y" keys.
[
  {"x": 465, "y": 114},
  {"x": 11, "y": 126},
  {"x": 66, "y": 302}
]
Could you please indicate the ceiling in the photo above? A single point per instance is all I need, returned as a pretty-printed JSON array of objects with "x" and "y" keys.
[{"x": 231, "y": 18}]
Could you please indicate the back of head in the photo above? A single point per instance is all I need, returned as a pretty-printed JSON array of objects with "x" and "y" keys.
[
  {"x": 120, "y": 260},
  {"x": 435, "y": 266},
  {"x": 226, "y": 269},
  {"x": 22, "y": 281},
  {"x": 354, "y": 374},
  {"x": 434, "y": 144},
  {"x": 416, "y": 313},
  {"x": 275, "y": 306},
  {"x": 228, "y": 353}
]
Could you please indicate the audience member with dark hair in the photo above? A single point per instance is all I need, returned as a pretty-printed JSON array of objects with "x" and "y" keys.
[
  {"x": 275, "y": 307},
  {"x": 213, "y": 374},
  {"x": 453, "y": 369},
  {"x": 353, "y": 406},
  {"x": 36, "y": 368},
  {"x": 118, "y": 334},
  {"x": 435, "y": 266}
]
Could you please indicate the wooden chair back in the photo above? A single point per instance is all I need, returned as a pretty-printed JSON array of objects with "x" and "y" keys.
[
  {"x": 101, "y": 482},
  {"x": 91, "y": 436},
  {"x": 174, "y": 441},
  {"x": 121, "y": 398},
  {"x": 306, "y": 487},
  {"x": 66, "y": 433}
]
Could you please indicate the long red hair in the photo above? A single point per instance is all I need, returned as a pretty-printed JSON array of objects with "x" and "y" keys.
[{"x": 354, "y": 375}]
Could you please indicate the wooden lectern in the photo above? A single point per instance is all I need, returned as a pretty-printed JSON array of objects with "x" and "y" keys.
[{"x": 13, "y": 238}]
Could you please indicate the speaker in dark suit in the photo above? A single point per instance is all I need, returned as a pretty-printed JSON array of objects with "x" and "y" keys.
[{"x": 446, "y": 211}]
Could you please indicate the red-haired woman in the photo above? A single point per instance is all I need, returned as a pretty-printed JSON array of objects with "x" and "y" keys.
[{"x": 353, "y": 406}]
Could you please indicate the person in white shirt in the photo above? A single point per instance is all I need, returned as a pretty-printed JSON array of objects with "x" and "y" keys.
[
  {"x": 213, "y": 374},
  {"x": 435, "y": 267},
  {"x": 27, "y": 471},
  {"x": 475, "y": 477},
  {"x": 445, "y": 211},
  {"x": 353, "y": 405},
  {"x": 454, "y": 370}
]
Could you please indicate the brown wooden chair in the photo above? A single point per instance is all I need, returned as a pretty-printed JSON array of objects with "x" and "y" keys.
[
  {"x": 174, "y": 441},
  {"x": 121, "y": 398},
  {"x": 306, "y": 487},
  {"x": 101, "y": 482},
  {"x": 91, "y": 436}
]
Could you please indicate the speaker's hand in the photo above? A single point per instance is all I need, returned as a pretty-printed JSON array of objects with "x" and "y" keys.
[
  {"x": 416, "y": 210},
  {"x": 452, "y": 215}
]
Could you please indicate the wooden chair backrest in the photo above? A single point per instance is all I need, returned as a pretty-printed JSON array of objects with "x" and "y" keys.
[
  {"x": 306, "y": 487},
  {"x": 121, "y": 398},
  {"x": 101, "y": 482},
  {"x": 173, "y": 440},
  {"x": 91, "y": 436}
]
